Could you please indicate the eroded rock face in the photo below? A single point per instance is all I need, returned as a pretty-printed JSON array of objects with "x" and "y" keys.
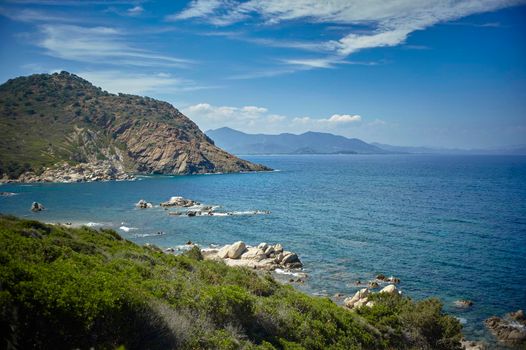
[
  {"x": 510, "y": 329},
  {"x": 85, "y": 172}
]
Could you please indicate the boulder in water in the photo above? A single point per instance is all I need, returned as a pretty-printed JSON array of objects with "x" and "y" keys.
[
  {"x": 36, "y": 207},
  {"x": 143, "y": 204},
  {"x": 463, "y": 303}
]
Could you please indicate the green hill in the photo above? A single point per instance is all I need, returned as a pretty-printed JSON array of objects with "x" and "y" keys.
[
  {"x": 49, "y": 119},
  {"x": 64, "y": 288}
]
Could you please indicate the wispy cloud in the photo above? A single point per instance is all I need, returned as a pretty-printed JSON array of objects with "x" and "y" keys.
[
  {"x": 135, "y": 11},
  {"x": 260, "y": 119},
  {"x": 100, "y": 45},
  {"x": 116, "y": 81},
  {"x": 38, "y": 16},
  {"x": 388, "y": 24}
]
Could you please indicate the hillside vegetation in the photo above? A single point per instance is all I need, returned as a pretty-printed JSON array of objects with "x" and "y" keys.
[
  {"x": 46, "y": 119},
  {"x": 79, "y": 288}
]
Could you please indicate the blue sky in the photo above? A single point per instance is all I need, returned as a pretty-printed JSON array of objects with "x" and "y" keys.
[{"x": 445, "y": 73}]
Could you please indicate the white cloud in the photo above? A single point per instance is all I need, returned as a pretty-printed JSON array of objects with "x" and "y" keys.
[
  {"x": 135, "y": 11},
  {"x": 137, "y": 83},
  {"x": 99, "y": 45},
  {"x": 197, "y": 8},
  {"x": 344, "y": 118},
  {"x": 389, "y": 23},
  {"x": 254, "y": 119}
]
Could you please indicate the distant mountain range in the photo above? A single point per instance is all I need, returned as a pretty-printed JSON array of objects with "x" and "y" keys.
[{"x": 238, "y": 142}]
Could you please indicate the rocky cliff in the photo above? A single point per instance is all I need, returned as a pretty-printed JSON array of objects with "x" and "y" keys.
[{"x": 46, "y": 120}]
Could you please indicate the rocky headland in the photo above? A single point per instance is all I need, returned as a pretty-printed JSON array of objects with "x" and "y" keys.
[{"x": 52, "y": 123}]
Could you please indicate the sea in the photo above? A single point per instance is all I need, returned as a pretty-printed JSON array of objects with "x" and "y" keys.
[{"x": 451, "y": 227}]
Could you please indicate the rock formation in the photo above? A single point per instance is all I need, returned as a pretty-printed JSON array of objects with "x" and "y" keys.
[
  {"x": 264, "y": 256},
  {"x": 510, "y": 329}
]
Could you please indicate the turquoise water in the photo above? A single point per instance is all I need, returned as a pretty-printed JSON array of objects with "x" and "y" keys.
[{"x": 447, "y": 226}]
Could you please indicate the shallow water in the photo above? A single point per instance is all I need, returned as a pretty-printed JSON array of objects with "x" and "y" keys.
[{"x": 447, "y": 226}]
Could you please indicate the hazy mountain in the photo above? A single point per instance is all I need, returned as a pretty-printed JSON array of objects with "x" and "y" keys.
[
  {"x": 50, "y": 119},
  {"x": 238, "y": 142}
]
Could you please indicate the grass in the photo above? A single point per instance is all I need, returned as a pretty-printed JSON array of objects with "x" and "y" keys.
[{"x": 79, "y": 288}]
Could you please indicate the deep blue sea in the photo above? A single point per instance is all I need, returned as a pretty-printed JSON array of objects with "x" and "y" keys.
[{"x": 448, "y": 226}]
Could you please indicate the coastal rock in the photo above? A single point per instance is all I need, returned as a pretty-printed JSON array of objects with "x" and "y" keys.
[
  {"x": 36, "y": 207},
  {"x": 238, "y": 254},
  {"x": 359, "y": 299},
  {"x": 463, "y": 303},
  {"x": 85, "y": 172},
  {"x": 381, "y": 277},
  {"x": 263, "y": 246},
  {"x": 223, "y": 252},
  {"x": 289, "y": 258},
  {"x": 236, "y": 249},
  {"x": 390, "y": 289},
  {"x": 472, "y": 345},
  {"x": 278, "y": 248},
  {"x": 373, "y": 285},
  {"x": 510, "y": 330},
  {"x": 392, "y": 279},
  {"x": 254, "y": 254},
  {"x": 178, "y": 201},
  {"x": 143, "y": 204}
]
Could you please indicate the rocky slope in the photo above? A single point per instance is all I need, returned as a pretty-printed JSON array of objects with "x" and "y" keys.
[{"x": 46, "y": 120}]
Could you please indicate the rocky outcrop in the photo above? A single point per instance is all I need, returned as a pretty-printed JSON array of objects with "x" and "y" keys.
[
  {"x": 85, "y": 172},
  {"x": 64, "y": 118},
  {"x": 473, "y": 345},
  {"x": 361, "y": 297},
  {"x": 510, "y": 329},
  {"x": 178, "y": 201},
  {"x": 264, "y": 256}
]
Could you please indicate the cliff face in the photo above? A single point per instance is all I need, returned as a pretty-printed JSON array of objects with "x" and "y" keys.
[{"x": 50, "y": 119}]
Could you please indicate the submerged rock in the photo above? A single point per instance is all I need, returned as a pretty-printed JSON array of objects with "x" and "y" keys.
[
  {"x": 36, "y": 207},
  {"x": 463, "y": 303},
  {"x": 510, "y": 329},
  {"x": 7, "y": 194}
]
